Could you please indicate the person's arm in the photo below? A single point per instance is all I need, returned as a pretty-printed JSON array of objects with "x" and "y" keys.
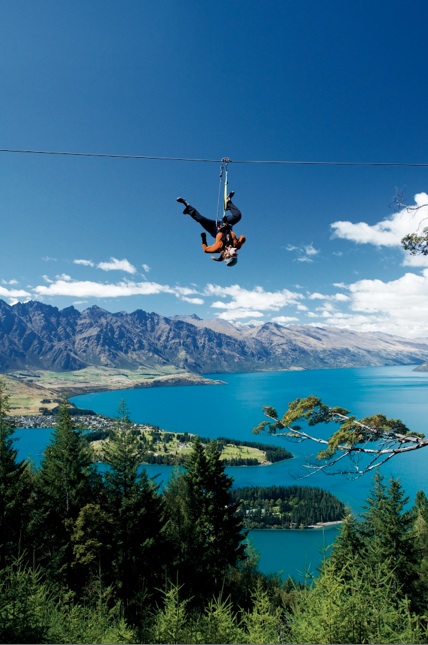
[
  {"x": 240, "y": 241},
  {"x": 214, "y": 248}
]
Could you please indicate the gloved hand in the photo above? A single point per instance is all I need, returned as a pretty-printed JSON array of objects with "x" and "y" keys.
[{"x": 204, "y": 238}]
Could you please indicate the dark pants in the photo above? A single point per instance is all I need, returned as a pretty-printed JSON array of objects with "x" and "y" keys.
[{"x": 210, "y": 225}]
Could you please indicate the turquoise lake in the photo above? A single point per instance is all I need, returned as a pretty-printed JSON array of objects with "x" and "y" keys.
[{"x": 233, "y": 409}]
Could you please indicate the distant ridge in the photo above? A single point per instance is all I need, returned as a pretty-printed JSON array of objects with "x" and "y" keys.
[{"x": 39, "y": 336}]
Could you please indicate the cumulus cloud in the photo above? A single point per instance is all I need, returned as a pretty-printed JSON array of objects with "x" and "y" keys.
[
  {"x": 397, "y": 307},
  {"x": 192, "y": 301},
  {"x": 284, "y": 320},
  {"x": 338, "y": 297},
  {"x": 117, "y": 265},
  {"x": 91, "y": 289},
  {"x": 14, "y": 295},
  {"x": 256, "y": 298},
  {"x": 85, "y": 263},
  {"x": 244, "y": 303},
  {"x": 389, "y": 231},
  {"x": 236, "y": 313}
]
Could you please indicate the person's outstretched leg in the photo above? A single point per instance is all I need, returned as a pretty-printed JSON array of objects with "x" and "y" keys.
[
  {"x": 235, "y": 214},
  {"x": 210, "y": 225}
]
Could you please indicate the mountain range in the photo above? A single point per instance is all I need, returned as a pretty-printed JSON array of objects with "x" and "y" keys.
[{"x": 34, "y": 335}]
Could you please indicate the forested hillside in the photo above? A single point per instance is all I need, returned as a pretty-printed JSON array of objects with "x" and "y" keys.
[{"x": 90, "y": 556}]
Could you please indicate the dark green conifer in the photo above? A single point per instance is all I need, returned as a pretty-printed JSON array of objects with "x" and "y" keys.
[
  {"x": 386, "y": 531},
  {"x": 15, "y": 486},
  {"x": 135, "y": 506},
  {"x": 420, "y": 540},
  {"x": 65, "y": 483},
  {"x": 206, "y": 534}
]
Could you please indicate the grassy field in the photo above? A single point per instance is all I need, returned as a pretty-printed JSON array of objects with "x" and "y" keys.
[
  {"x": 31, "y": 390},
  {"x": 160, "y": 442}
]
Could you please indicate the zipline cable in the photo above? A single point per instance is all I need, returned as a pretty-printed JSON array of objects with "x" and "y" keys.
[{"x": 235, "y": 161}]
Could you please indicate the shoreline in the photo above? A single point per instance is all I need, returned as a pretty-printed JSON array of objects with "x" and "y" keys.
[{"x": 37, "y": 391}]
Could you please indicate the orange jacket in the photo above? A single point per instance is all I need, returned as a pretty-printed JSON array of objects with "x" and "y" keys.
[{"x": 218, "y": 244}]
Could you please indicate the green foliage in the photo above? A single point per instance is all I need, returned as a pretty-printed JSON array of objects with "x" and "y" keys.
[
  {"x": 92, "y": 547},
  {"x": 106, "y": 545},
  {"x": 203, "y": 528},
  {"x": 386, "y": 530},
  {"x": 15, "y": 489},
  {"x": 358, "y": 604},
  {"x": 349, "y": 438},
  {"x": 171, "y": 624},
  {"x": 416, "y": 244},
  {"x": 30, "y": 612},
  {"x": 24, "y": 605},
  {"x": 65, "y": 482},
  {"x": 286, "y": 506},
  {"x": 75, "y": 623},
  {"x": 420, "y": 541},
  {"x": 264, "y": 624},
  {"x": 132, "y": 515}
]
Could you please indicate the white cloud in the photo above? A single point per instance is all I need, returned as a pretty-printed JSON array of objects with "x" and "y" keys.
[
  {"x": 389, "y": 231},
  {"x": 255, "y": 300},
  {"x": 338, "y": 297},
  {"x": 285, "y": 320},
  {"x": 304, "y": 253},
  {"x": 236, "y": 314},
  {"x": 85, "y": 263},
  {"x": 397, "y": 307},
  {"x": 15, "y": 294},
  {"x": 192, "y": 301},
  {"x": 117, "y": 265},
  {"x": 146, "y": 267},
  {"x": 90, "y": 289},
  {"x": 11, "y": 282}
]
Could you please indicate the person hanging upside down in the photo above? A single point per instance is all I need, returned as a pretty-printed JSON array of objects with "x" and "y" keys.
[{"x": 226, "y": 241}]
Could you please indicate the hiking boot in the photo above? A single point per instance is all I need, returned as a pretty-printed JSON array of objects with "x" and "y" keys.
[{"x": 181, "y": 200}]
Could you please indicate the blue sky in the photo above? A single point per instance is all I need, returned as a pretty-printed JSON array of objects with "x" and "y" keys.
[{"x": 180, "y": 80}]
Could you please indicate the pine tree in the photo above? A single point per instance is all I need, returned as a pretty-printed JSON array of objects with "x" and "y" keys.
[
  {"x": 92, "y": 548},
  {"x": 171, "y": 622},
  {"x": 205, "y": 533},
  {"x": 348, "y": 544},
  {"x": 420, "y": 541},
  {"x": 386, "y": 532},
  {"x": 15, "y": 486},
  {"x": 353, "y": 605},
  {"x": 264, "y": 623},
  {"x": 133, "y": 501},
  {"x": 66, "y": 481}
]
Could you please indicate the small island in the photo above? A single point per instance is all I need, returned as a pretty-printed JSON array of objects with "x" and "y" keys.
[
  {"x": 160, "y": 447},
  {"x": 157, "y": 446},
  {"x": 287, "y": 507}
]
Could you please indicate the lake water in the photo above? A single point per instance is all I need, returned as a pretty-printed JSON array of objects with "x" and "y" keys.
[{"x": 232, "y": 410}]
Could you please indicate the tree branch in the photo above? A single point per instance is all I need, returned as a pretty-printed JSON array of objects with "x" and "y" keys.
[{"x": 355, "y": 448}]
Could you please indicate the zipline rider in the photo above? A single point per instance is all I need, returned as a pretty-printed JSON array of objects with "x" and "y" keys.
[{"x": 226, "y": 241}]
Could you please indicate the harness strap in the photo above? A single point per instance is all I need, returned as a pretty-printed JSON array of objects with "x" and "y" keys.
[
  {"x": 223, "y": 169},
  {"x": 219, "y": 191}
]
